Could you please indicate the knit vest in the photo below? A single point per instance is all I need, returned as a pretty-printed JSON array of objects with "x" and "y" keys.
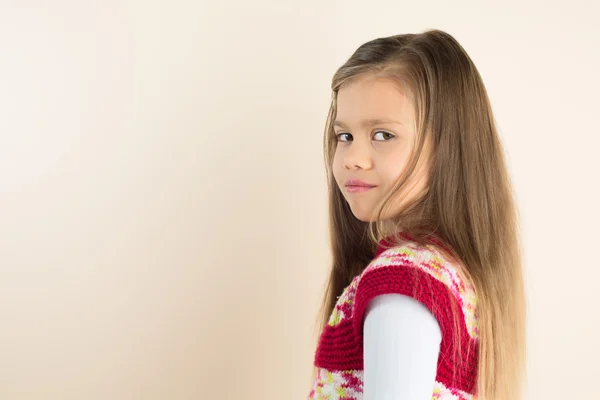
[{"x": 425, "y": 273}]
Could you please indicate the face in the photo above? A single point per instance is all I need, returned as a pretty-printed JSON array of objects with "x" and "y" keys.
[{"x": 375, "y": 134}]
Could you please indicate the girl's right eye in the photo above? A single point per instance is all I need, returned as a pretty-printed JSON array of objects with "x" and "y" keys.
[{"x": 340, "y": 135}]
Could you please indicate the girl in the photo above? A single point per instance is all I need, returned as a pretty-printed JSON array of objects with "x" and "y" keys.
[{"x": 425, "y": 298}]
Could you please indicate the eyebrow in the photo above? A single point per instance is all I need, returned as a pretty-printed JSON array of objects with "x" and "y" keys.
[{"x": 369, "y": 122}]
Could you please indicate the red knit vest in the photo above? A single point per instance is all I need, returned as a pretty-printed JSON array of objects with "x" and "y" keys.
[{"x": 426, "y": 273}]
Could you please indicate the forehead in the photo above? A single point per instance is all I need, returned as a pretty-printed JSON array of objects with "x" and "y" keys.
[{"x": 372, "y": 98}]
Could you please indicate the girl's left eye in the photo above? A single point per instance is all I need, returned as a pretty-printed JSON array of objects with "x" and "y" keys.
[{"x": 383, "y": 134}]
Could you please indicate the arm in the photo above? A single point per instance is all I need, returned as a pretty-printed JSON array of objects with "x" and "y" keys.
[{"x": 401, "y": 349}]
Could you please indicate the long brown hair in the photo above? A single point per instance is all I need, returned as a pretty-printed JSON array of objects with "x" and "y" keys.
[{"x": 468, "y": 204}]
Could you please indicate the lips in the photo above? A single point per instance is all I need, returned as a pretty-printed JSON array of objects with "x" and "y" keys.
[
  {"x": 356, "y": 186},
  {"x": 358, "y": 183}
]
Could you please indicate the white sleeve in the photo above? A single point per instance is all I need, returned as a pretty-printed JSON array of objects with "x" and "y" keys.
[{"x": 401, "y": 348}]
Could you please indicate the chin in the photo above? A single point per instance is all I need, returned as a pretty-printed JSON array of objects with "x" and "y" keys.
[{"x": 362, "y": 215}]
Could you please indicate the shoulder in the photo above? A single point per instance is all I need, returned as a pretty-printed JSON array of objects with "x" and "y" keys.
[
  {"x": 427, "y": 258},
  {"x": 424, "y": 272}
]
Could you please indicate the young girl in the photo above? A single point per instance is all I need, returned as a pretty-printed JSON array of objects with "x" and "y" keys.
[{"x": 425, "y": 298}]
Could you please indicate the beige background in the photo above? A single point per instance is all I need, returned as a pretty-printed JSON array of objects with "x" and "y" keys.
[{"x": 163, "y": 221}]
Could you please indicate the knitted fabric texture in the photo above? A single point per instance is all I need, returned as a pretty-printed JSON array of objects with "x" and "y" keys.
[{"x": 425, "y": 273}]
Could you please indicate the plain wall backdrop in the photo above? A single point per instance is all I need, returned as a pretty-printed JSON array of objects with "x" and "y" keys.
[{"x": 163, "y": 211}]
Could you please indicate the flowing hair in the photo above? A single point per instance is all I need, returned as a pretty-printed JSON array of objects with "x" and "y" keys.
[{"x": 468, "y": 203}]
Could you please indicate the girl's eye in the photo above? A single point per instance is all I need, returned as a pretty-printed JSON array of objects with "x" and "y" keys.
[
  {"x": 384, "y": 133},
  {"x": 386, "y": 136},
  {"x": 340, "y": 135}
]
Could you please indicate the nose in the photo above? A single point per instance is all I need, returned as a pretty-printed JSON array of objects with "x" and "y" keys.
[{"x": 358, "y": 156}]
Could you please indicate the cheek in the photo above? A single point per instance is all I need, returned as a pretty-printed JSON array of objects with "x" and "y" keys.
[{"x": 391, "y": 169}]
